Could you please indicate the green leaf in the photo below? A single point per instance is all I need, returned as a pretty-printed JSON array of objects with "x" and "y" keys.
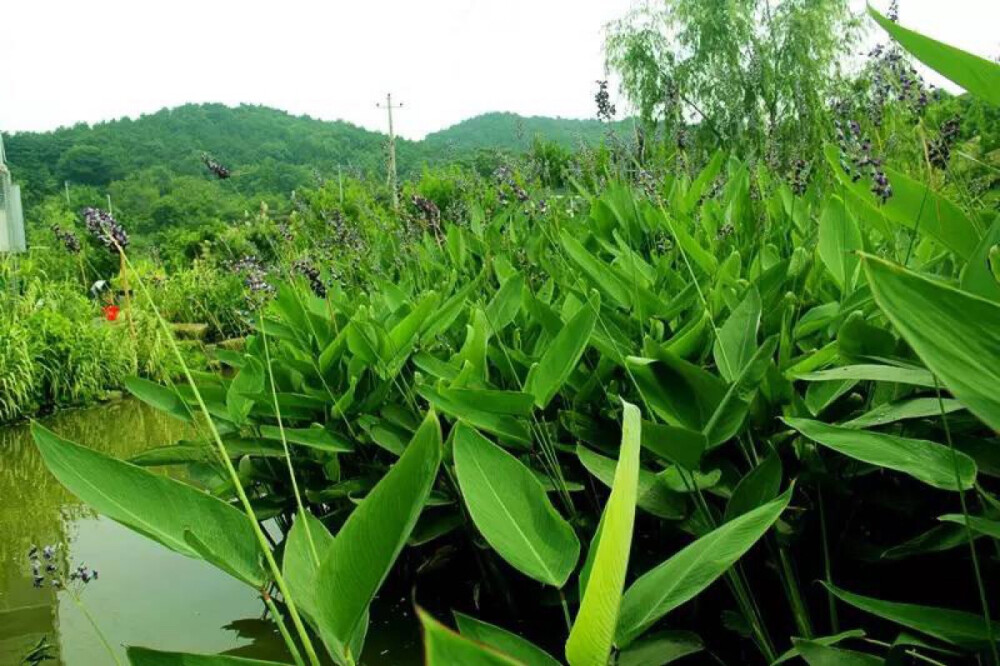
[
  {"x": 951, "y": 626},
  {"x": 978, "y": 278},
  {"x": 978, "y": 524},
  {"x": 443, "y": 647},
  {"x": 678, "y": 445},
  {"x": 514, "y": 403},
  {"x": 248, "y": 382},
  {"x": 924, "y": 460},
  {"x": 300, "y": 564},
  {"x": 913, "y": 205},
  {"x": 891, "y": 412},
  {"x": 956, "y": 334},
  {"x": 817, "y": 654},
  {"x": 737, "y": 339},
  {"x": 160, "y": 397},
  {"x": 653, "y": 495},
  {"x": 872, "y": 373},
  {"x": 761, "y": 485},
  {"x": 825, "y": 640},
  {"x": 563, "y": 353},
  {"x": 156, "y": 506},
  {"x": 504, "y": 426},
  {"x": 506, "y": 303},
  {"x": 660, "y": 649},
  {"x": 977, "y": 75},
  {"x": 373, "y": 536},
  {"x": 512, "y": 511},
  {"x": 316, "y": 437},
  {"x": 593, "y": 631},
  {"x": 505, "y": 641},
  {"x": 597, "y": 271},
  {"x": 695, "y": 567},
  {"x": 140, "y": 656},
  {"x": 839, "y": 238}
]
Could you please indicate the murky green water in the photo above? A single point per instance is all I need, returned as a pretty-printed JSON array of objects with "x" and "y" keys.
[{"x": 146, "y": 594}]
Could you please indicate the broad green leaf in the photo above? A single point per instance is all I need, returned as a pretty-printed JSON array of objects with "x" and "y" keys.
[
  {"x": 248, "y": 382},
  {"x": 506, "y": 303},
  {"x": 678, "y": 445},
  {"x": 403, "y": 336},
  {"x": 597, "y": 271},
  {"x": 817, "y": 654},
  {"x": 737, "y": 339},
  {"x": 913, "y": 205},
  {"x": 692, "y": 569},
  {"x": 926, "y": 461},
  {"x": 505, "y": 641},
  {"x": 563, "y": 353},
  {"x": 653, "y": 495},
  {"x": 160, "y": 397},
  {"x": 761, "y": 485},
  {"x": 977, "y": 75},
  {"x": 512, "y": 511},
  {"x": 515, "y": 403},
  {"x": 504, "y": 426},
  {"x": 956, "y": 334},
  {"x": 978, "y": 278},
  {"x": 444, "y": 647},
  {"x": 839, "y": 238},
  {"x": 978, "y": 524},
  {"x": 372, "y": 537},
  {"x": 951, "y": 626},
  {"x": 473, "y": 352},
  {"x": 660, "y": 649},
  {"x": 316, "y": 437},
  {"x": 156, "y": 506},
  {"x": 140, "y": 656},
  {"x": 305, "y": 549},
  {"x": 891, "y": 412},
  {"x": 824, "y": 640},
  {"x": 872, "y": 373},
  {"x": 593, "y": 631}
]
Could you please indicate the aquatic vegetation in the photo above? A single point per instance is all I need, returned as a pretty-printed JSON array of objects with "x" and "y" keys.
[{"x": 661, "y": 408}]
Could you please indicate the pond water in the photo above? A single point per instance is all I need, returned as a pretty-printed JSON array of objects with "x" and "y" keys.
[{"x": 145, "y": 595}]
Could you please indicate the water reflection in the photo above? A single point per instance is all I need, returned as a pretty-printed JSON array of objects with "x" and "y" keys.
[{"x": 146, "y": 595}]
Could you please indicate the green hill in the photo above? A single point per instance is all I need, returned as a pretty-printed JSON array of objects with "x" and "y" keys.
[{"x": 271, "y": 150}]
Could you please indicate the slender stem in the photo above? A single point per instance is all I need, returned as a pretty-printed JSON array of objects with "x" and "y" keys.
[
  {"x": 282, "y": 629},
  {"x": 237, "y": 484},
  {"x": 284, "y": 444},
  {"x": 968, "y": 527}
]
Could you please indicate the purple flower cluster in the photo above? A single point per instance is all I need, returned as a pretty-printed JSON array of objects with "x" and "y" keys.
[
  {"x": 215, "y": 167},
  {"x": 428, "y": 209},
  {"x": 894, "y": 78},
  {"x": 308, "y": 270},
  {"x": 605, "y": 109},
  {"x": 507, "y": 186},
  {"x": 45, "y": 565},
  {"x": 67, "y": 238},
  {"x": 254, "y": 275},
  {"x": 939, "y": 149},
  {"x": 799, "y": 178},
  {"x": 857, "y": 158},
  {"x": 345, "y": 236},
  {"x": 105, "y": 229}
]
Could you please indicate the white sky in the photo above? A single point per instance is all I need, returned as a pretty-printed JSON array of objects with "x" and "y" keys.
[{"x": 66, "y": 61}]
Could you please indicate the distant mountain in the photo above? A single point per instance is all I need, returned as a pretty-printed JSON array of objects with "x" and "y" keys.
[
  {"x": 271, "y": 149},
  {"x": 509, "y": 131}
]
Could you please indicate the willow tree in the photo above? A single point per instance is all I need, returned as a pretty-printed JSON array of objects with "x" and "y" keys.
[{"x": 758, "y": 74}]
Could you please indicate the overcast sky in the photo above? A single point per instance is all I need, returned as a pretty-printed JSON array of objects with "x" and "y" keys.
[{"x": 67, "y": 61}]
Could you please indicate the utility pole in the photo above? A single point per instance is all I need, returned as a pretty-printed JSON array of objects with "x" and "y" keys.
[
  {"x": 392, "y": 149},
  {"x": 66, "y": 186}
]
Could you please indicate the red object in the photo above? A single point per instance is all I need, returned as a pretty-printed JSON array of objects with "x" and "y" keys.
[{"x": 111, "y": 312}]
